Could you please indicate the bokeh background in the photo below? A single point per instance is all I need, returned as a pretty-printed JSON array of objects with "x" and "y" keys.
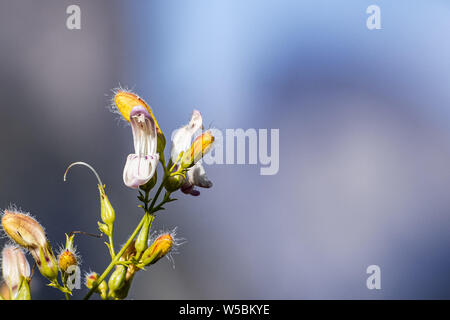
[{"x": 364, "y": 120}]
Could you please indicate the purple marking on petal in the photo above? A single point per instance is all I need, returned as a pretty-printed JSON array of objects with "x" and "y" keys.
[{"x": 140, "y": 110}]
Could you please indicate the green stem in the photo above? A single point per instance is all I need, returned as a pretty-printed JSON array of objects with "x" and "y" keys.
[
  {"x": 115, "y": 260},
  {"x": 148, "y": 210},
  {"x": 111, "y": 244},
  {"x": 157, "y": 195}
]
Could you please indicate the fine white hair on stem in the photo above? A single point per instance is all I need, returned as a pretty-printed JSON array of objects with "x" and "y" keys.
[{"x": 86, "y": 165}]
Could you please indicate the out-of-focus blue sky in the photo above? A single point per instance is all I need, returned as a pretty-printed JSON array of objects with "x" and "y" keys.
[{"x": 364, "y": 139}]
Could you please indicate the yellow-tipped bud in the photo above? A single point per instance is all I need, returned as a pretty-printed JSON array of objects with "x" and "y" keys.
[
  {"x": 68, "y": 256},
  {"x": 28, "y": 233},
  {"x": 125, "y": 101},
  {"x": 24, "y": 230},
  {"x": 201, "y": 146},
  {"x": 159, "y": 248},
  {"x": 66, "y": 259}
]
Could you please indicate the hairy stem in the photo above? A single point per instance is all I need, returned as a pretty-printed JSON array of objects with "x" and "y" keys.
[{"x": 115, "y": 260}]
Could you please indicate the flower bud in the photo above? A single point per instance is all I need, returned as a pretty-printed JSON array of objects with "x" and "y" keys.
[
  {"x": 46, "y": 261},
  {"x": 174, "y": 183},
  {"x": 90, "y": 279},
  {"x": 16, "y": 271},
  {"x": 66, "y": 260},
  {"x": 102, "y": 288},
  {"x": 24, "y": 230},
  {"x": 122, "y": 292},
  {"x": 160, "y": 247},
  {"x": 117, "y": 279},
  {"x": 107, "y": 212},
  {"x": 125, "y": 101},
  {"x": 68, "y": 256},
  {"x": 120, "y": 280},
  {"x": 28, "y": 233},
  {"x": 142, "y": 238},
  {"x": 201, "y": 146}
]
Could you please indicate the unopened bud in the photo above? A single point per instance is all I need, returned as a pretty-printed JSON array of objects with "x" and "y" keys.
[
  {"x": 24, "y": 230},
  {"x": 174, "y": 183},
  {"x": 108, "y": 214},
  {"x": 117, "y": 279},
  {"x": 68, "y": 256},
  {"x": 102, "y": 288},
  {"x": 28, "y": 233},
  {"x": 46, "y": 261},
  {"x": 201, "y": 146},
  {"x": 142, "y": 238},
  {"x": 159, "y": 248}
]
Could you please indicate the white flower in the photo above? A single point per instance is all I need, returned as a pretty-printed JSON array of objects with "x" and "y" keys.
[
  {"x": 182, "y": 138},
  {"x": 196, "y": 176},
  {"x": 15, "y": 267},
  {"x": 181, "y": 142},
  {"x": 141, "y": 166}
]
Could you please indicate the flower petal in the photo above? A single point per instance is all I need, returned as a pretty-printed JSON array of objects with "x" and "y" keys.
[
  {"x": 182, "y": 138},
  {"x": 139, "y": 169}
]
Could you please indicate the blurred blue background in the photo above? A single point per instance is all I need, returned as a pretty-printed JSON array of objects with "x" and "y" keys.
[{"x": 364, "y": 120}]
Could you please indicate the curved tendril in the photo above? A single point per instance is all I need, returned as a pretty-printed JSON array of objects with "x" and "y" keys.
[{"x": 86, "y": 165}]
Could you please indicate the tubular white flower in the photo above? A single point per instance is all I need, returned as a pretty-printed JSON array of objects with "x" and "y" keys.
[
  {"x": 181, "y": 142},
  {"x": 15, "y": 267},
  {"x": 196, "y": 176},
  {"x": 182, "y": 138},
  {"x": 141, "y": 166}
]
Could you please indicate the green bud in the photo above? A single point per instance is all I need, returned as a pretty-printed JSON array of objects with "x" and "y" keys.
[
  {"x": 107, "y": 211},
  {"x": 47, "y": 263},
  {"x": 174, "y": 183},
  {"x": 142, "y": 239},
  {"x": 117, "y": 279}
]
